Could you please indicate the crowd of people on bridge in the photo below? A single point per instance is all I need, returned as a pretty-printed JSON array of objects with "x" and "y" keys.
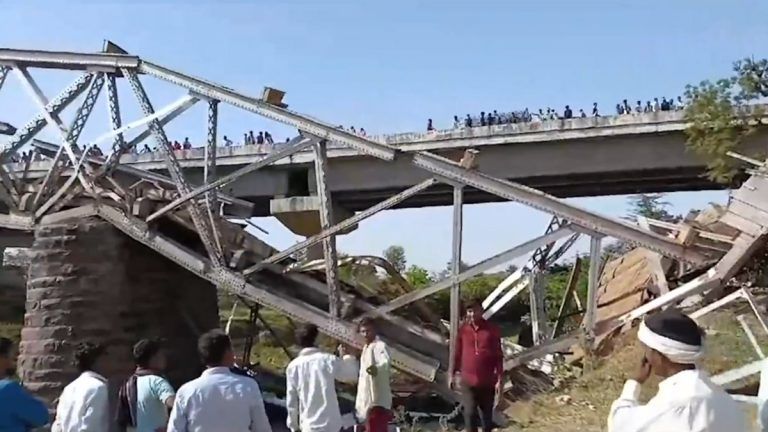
[
  {"x": 225, "y": 398},
  {"x": 494, "y": 117}
]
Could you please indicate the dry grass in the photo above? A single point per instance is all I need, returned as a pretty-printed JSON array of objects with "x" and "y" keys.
[{"x": 592, "y": 393}]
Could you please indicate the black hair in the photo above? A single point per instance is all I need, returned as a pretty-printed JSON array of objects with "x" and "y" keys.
[
  {"x": 675, "y": 325},
  {"x": 6, "y": 345},
  {"x": 212, "y": 346},
  {"x": 307, "y": 335},
  {"x": 144, "y": 351},
  {"x": 366, "y": 322},
  {"x": 473, "y": 303},
  {"x": 86, "y": 354}
]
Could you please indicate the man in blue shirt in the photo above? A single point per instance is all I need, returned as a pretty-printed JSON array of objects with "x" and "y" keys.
[
  {"x": 146, "y": 398},
  {"x": 19, "y": 411}
]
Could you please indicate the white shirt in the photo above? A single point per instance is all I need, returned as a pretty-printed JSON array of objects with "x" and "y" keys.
[
  {"x": 83, "y": 405},
  {"x": 311, "y": 398},
  {"x": 373, "y": 391},
  {"x": 219, "y": 401},
  {"x": 686, "y": 402}
]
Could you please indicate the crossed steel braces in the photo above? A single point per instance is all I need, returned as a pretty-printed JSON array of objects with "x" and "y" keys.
[{"x": 88, "y": 176}]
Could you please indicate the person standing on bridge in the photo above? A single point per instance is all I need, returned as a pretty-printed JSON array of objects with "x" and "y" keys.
[
  {"x": 311, "y": 399},
  {"x": 568, "y": 113},
  {"x": 648, "y": 108},
  {"x": 19, "y": 411},
  {"x": 84, "y": 403},
  {"x": 478, "y": 367},
  {"x": 595, "y": 112},
  {"x": 687, "y": 400},
  {"x": 468, "y": 121},
  {"x": 373, "y": 403},
  {"x": 219, "y": 400},
  {"x": 430, "y": 128}
]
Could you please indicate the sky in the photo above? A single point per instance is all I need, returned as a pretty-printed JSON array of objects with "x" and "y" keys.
[{"x": 388, "y": 66}]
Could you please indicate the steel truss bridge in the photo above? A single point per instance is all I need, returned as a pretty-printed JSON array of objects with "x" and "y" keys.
[{"x": 154, "y": 209}]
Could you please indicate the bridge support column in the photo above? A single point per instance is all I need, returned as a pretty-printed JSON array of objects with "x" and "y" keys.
[{"x": 89, "y": 282}]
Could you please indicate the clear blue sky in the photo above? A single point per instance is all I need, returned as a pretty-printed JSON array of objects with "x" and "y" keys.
[{"x": 387, "y": 66}]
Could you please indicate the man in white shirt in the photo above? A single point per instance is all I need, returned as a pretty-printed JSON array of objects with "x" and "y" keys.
[
  {"x": 219, "y": 401},
  {"x": 373, "y": 404},
  {"x": 687, "y": 400},
  {"x": 311, "y": 398},
  {"x": 84, "y": 403}
]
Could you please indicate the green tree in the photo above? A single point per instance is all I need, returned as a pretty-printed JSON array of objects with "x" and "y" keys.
[
  {"x": 418, "y": 277},
  {"x": 651, "y": 206},
  {"x": 396, "y": 256},
  {"x": 720, "y": 116}
]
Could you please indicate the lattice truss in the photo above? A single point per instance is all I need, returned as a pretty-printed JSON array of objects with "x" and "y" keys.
[{"x": 143, "y": 204}]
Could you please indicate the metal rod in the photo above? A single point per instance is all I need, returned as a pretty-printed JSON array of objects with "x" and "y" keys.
[
  {"x": 204, "y": 230},
  {"x": 38, "y": 122},
  {"x": 475, "y": 270},
  {"x": 321, "y": 130},
  {"x": 343, "y": 225},
  {"x": 253, "y": 166},
  {"x": 3, "y": 74},
  {"x": 209, "y": 174},
  {"x": 570, "y": 288},
  {"x": 751, "y": 336},
  {"x": 455, "y": 317},
  {"x": 538, "y": 308},
  {"x": 718, "y": 304},
  {"x": 533, "y": 198},
  {"x": 590, "y": 315},
  {"x": 756, "y": 308},
  {"x": 326, "y": 219},
  {"x": 523, "y": 283}
]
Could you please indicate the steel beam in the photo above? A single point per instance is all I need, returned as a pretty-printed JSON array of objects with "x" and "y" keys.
[
  {"x": 253, "y": 166},
  {"x": 3, "y": 74},
  {"x": 204, "y": 230},
  {"x": 115, "y": 119},
  {"x": 321, "y": 130},
  {"x": 475, "y": 270},
  {"x": 75, "y": 129},
  {"x": 590, "y": 316},
  {"x": 522, "y": 283},
  {"x": 455, "y": 313},
  {"x": 38, "y": 122},
  {"x": 533, "y": 198},
  {"x": 538, "y": 307},
  {"x": 244, "y": 208},
  {"x": 69, "y": 146},
  {"x": 234, "y": 283},
  {"x": 209, "y": 173},
  {"x": 570, "y": 289},
  {"x": 326, "y": 219},
  {"x": 760, "y": 314},
  {"x": 751, "y": 336},
  {"x": 67, "y": 60},
  {"x": 343, "y": 225}
]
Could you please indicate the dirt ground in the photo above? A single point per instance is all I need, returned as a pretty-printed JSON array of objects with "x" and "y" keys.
[{"x": 591, "y": 394}]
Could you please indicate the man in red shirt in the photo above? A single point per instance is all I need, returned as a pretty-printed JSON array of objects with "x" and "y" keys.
[{"x": 478, "y": 365}]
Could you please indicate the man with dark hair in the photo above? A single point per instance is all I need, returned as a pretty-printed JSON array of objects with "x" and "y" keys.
[
  {"x": 478, "y": 366},
  {"x": 19, "y": 411},
  {"x": 687, "y": 400},
  {"x": 84, "y": 403},
  {"x": 373, "y": 403},
  {"x": 311, "y": 399},
  {"x": 146, "y": 397},
  {"x": 218, "y": 400}
]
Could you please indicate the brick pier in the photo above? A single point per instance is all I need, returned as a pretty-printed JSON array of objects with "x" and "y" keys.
[{"x": 88, "y": 281}]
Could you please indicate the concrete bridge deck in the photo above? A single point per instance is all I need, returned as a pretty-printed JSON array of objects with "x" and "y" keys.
[{"x": 590, "y": 156}]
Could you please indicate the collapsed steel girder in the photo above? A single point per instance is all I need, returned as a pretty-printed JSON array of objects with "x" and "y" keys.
[{"x": 413, "y": 352}]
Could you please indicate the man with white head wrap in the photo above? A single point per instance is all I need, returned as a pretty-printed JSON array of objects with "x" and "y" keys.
[{"x": 687, "y": 400}]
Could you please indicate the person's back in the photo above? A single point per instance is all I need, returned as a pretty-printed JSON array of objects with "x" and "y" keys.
[
  {"x": 83, "y": 402},
  {"x": 19, "y": 411},
  {"x": 216, "y": 395},
  {"x": 311, "y": 377}
]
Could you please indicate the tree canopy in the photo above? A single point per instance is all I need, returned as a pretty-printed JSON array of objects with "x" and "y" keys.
[
  {"x": 722, "y": 113},
  {"x": 395, "y": 254}
]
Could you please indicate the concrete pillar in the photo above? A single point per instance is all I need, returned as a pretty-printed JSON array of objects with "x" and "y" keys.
[{"x": 89, "y": 282}]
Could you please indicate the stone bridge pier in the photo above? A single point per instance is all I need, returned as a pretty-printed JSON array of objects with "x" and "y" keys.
[{"x": 89, "y": 282}]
